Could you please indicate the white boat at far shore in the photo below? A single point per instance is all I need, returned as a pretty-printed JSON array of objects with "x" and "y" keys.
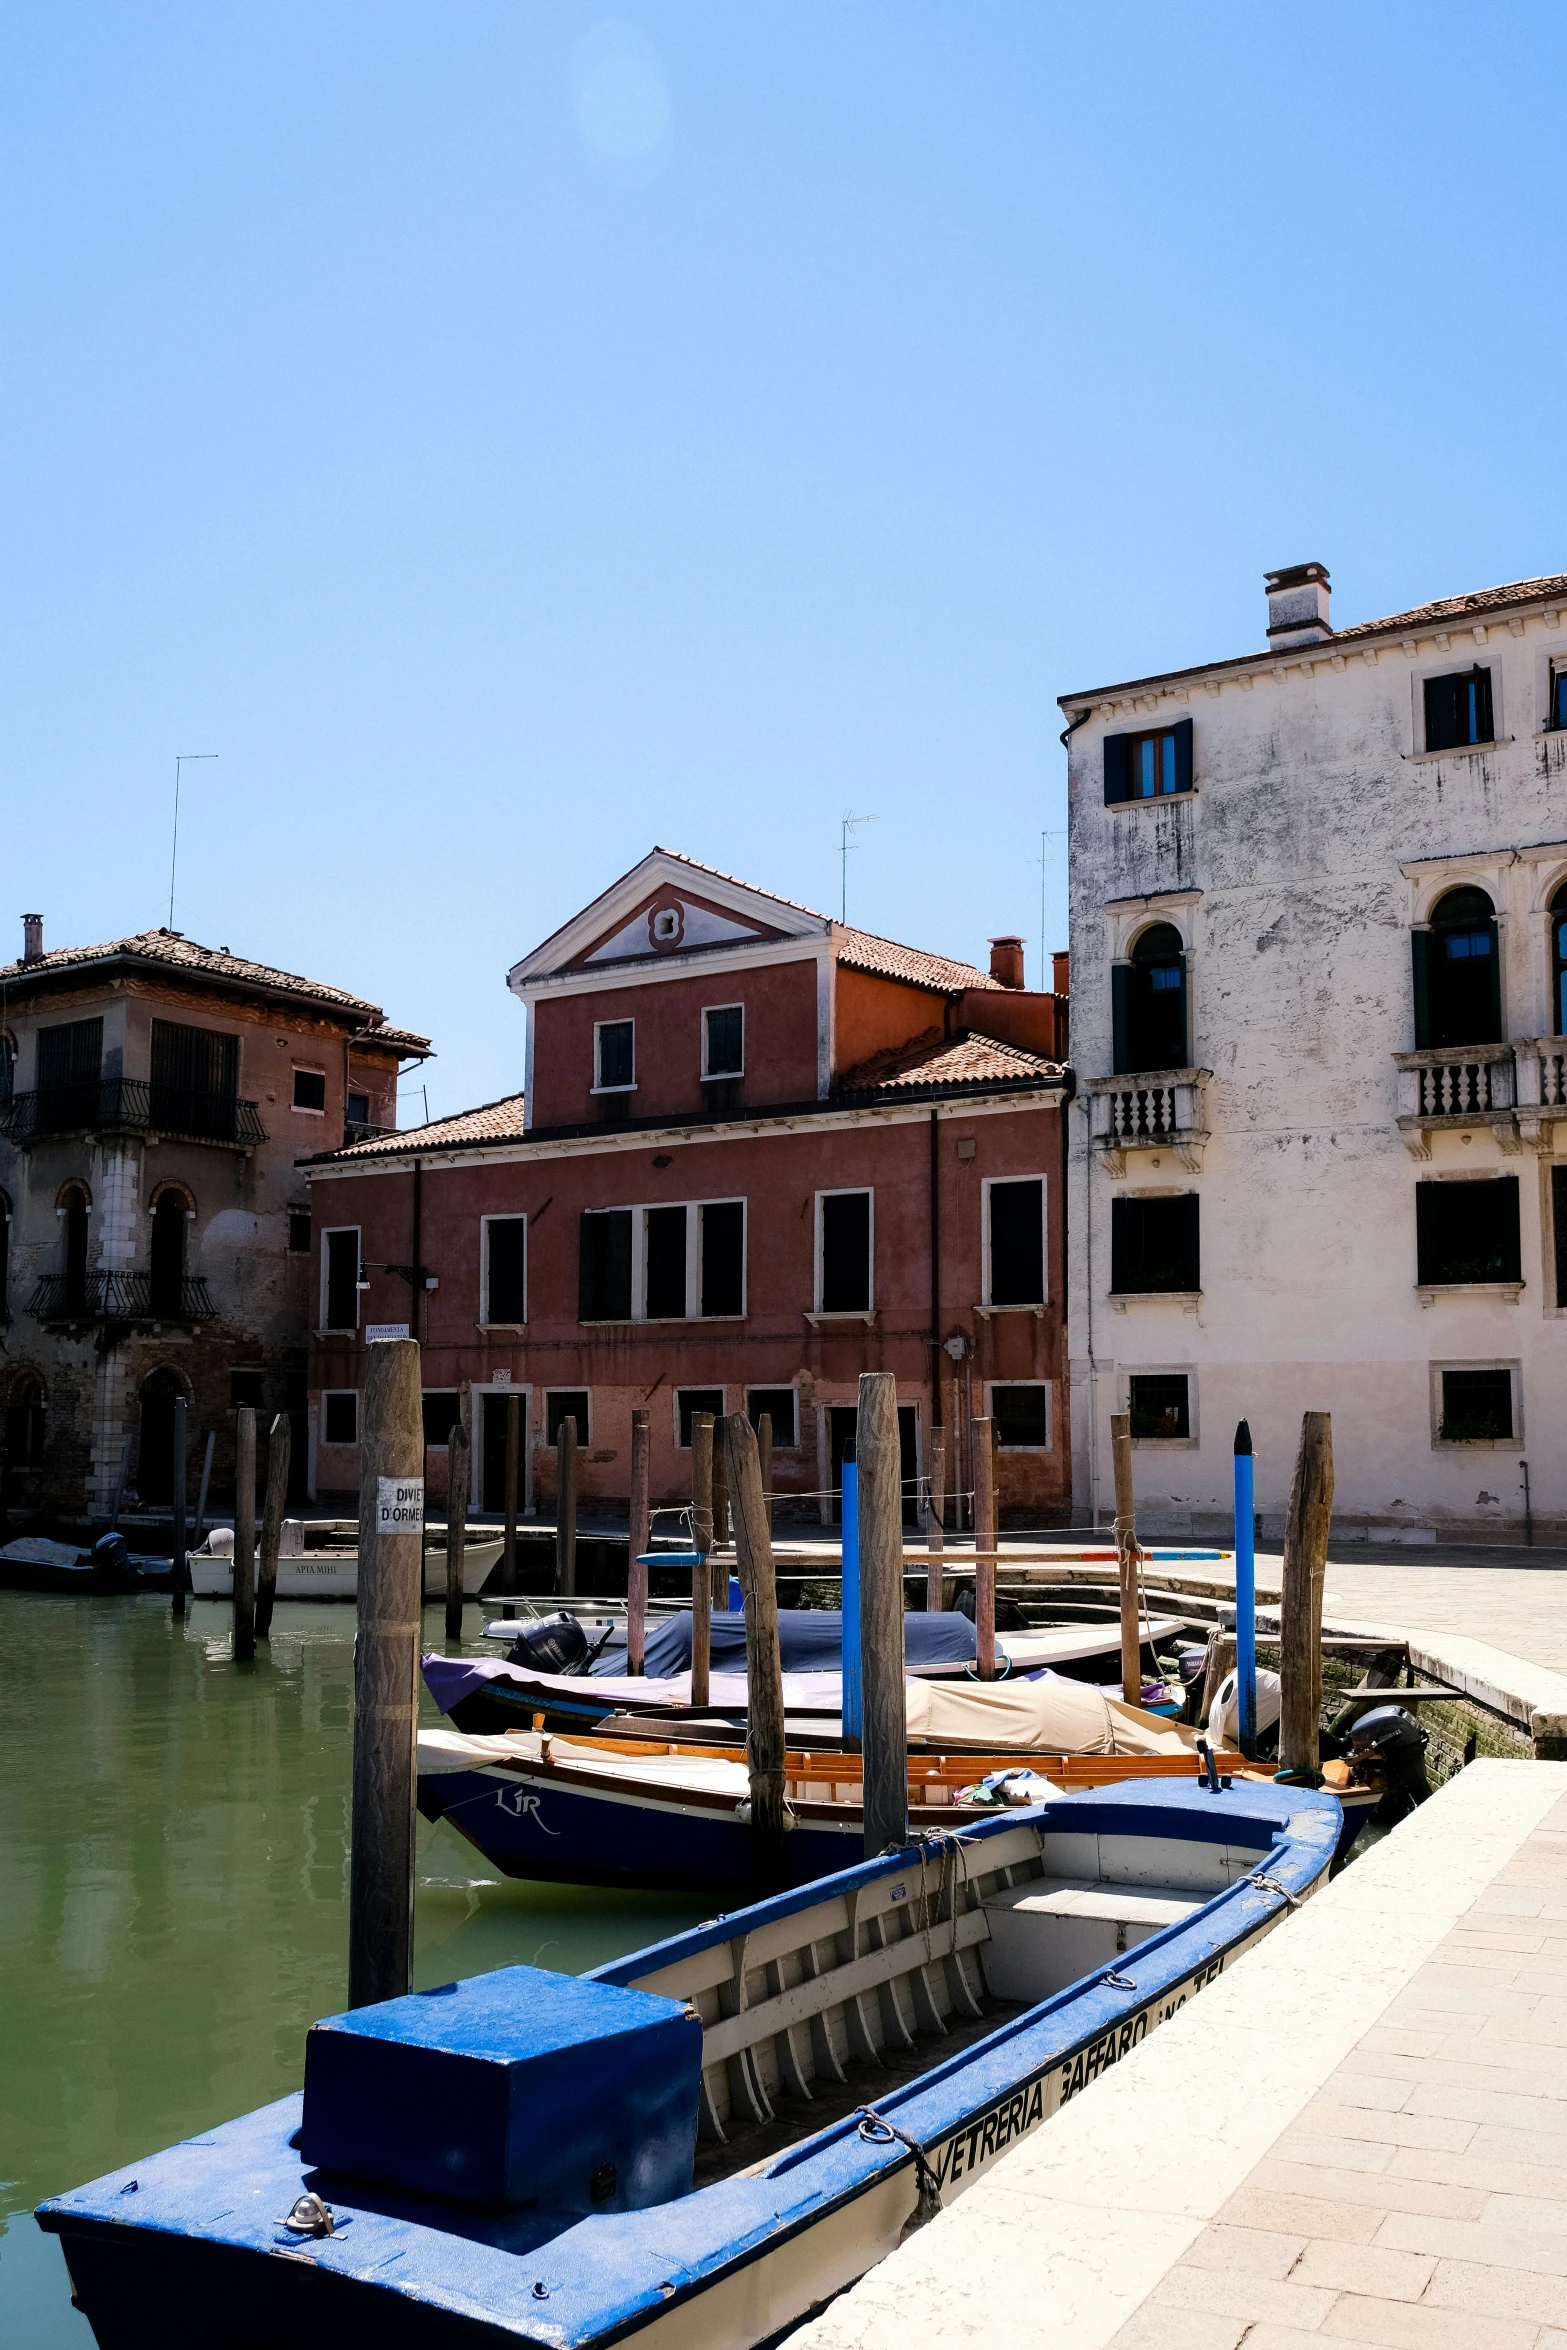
[{"x": 334, "y": 1574}]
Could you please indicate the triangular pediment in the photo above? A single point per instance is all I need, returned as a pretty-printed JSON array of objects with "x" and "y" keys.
[{"x": 667, "y": 907}]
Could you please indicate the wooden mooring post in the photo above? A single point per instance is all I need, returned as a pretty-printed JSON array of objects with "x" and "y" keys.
[
  {"x": 764, "y": 1453},
  {"x": 280, "y": 1445},
  {"x": 983, "y": 1461},
  {"x": 244, "y": 1534},
  {"x": 884, "y": 1733},
  {"x": 1300, "y": 1613},
  {"x": 1126, "y": 1558},
  {"x": 206, "y": 1480},
  {"x": 456, "y": 1524},
  {"x": 179, "y": 1571},
  {"x": 701, "y": 1543},
  {"x": 386, "y": 1676},
  {"x": 935, "y": 1536},
  {"x": 720, "y": 1580},
  {"x": 764, "y": 1737},
  {"x": 636, "y": 1556},
  {"x": 566, "y": 1508}
]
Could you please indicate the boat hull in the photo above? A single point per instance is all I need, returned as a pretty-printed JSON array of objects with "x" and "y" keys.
[{"x": 325, "y": 1574}]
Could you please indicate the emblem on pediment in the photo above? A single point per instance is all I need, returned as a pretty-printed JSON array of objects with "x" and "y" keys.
[{"x": 666, "y": 925}]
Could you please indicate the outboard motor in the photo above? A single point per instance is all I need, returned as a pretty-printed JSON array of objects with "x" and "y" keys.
[
  {"x": 1395, "y": 1740},
  {"x": 111, "y": 1562},
  {"x": 556, "y": 1644}
]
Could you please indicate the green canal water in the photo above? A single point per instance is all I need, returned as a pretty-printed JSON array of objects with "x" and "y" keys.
[{"x": 174, "y": 1893}]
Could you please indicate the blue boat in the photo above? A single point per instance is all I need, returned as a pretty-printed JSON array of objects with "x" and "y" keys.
[{"x": 699, "y": 2144}]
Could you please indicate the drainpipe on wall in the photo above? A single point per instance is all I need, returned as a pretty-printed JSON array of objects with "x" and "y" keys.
[
  {"x": 935, "y": 1272},
  {"x": 1067, "y": 733}
]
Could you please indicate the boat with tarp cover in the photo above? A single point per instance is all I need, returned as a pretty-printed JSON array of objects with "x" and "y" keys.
[{"x": 699, "y": 2144}]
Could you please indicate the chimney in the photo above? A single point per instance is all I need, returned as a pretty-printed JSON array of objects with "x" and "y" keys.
[
  {"x": 32, "y": 938},
  {"x": 1297, "y": 605},
  {"x": 1062, "y": 962},
  {"x": 1006, "y": 961}
]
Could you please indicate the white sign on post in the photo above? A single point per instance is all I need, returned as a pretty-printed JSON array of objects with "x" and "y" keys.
[{"x": 399, "y": 1505}]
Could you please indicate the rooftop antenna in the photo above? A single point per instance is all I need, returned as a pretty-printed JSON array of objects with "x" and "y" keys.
[
  {"x": 1044, "y": 879},
  {"x": 184, "y": 760},
  {"x": 850, "y": 820}
]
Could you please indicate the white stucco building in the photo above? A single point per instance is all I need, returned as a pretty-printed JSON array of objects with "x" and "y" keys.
[{"x": 1319, "y": 1151}]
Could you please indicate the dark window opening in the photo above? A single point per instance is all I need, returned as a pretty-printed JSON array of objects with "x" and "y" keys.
[
  {"x": 666, "y": 1264},
  {"x": 75, "y": 1267},
  {"x": 725, "y": 1041},
  {"x": 508, "y": 1262},
  {"x": 7, "y": 1067},
  {"x": 1559, "y": 1229},
  {"x": 690, "y": 1400},
  {"x": 195, "y": 1079},
  {"x": 309, "y": 1089},
  {"x": 846, "y": 1252},
  {"x": 723, "y": 1257},
  {"x": 1458, "y": 710},
  {"x": 1017, "y": 1243},
  {"x": 24, "y": 1427},
  {"x": 1558, "y": 707},
  {"x": 1559, "y": 962},
  {"x": 779, "y": 1405},
  {"x": 1458, "y": 992},
  {"x": 442, "y": 1410},
  {"x": 155, "y": 1454},
  {"x": 842, "y": 1423},
  {"x": 1148, "y": 766},
  {"x": 167, "y": 1255},
  {"x": 5, "y": 1258},
  {"x": 1148, "y": 1003},
  {"x": 340, "y": 1417},
  {"x": 615, "y": 1060},
  {"x": 1467, "y": 1232},
  {"x": 246, "y": 1391},
  {"x": 1021, "y": 1416},
  {"x": 357, "y": 1109},
  {"x": 492, "y": 1461},
  {"x": 1160, "y": 1406},
  {"x": 1154, "y": 1244},
  {"x": 604, "y": 1266},
  {"x": 342, "y": 1280},
  {"x": 1476, "y": 1406},
  {"x": 70, "y": 1062},
  {"x": 566, "y": 1403},
  {"x": 299, "y": 1232}
]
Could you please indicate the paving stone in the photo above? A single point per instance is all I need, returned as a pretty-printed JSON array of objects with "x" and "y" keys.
[
  {"x": 1372, "y": 2194},
  {"x": 1225, "y": 2294},
  {"x": 1271, "y": 2337},
  {"x": 1539, "y": 2113},
  {"x": 1400, "y": 2040},
  {"x": 1376, "y": 2091},
  {"x": 1391, "y": 2274},
  {"x": 1346, "y": 2222},
  {"x": 1519, "y": 2250},
  {"x": 1545, "y": 2212},
  {"x": 1416, "y": 2325},
  {"x": 1250, "y": 2251},
  {"x": 1184, "y": 2329},
  {"x": 1495, "y": 2292},
  {"x": 1441, "y": 2131},
  {"x": 1503, "y": 2168},
  {"x": 1331, "y": 2154},
  {"x": 1467, "y": 1937}
]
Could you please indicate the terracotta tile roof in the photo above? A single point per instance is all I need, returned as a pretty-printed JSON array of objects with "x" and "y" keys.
[
  {"x": 717, "y": 873},
  {"x": 491, "y": 1122},
  {"x": 172, "y": 951},
  {"x": 1453, "y": 608},
  {"x": 862, "y": 950},
  {"x": 935, "y": 1060},
  {"x": 407, "y": 1045}
]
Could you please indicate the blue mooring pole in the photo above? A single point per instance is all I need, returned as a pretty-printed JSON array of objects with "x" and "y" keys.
[
  {"x": 1245, "y": 1592},
  {"x": 852, "y": 1724}
]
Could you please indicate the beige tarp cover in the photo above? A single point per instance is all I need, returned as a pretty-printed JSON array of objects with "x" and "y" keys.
[{"x": 1050, "y": 1717}]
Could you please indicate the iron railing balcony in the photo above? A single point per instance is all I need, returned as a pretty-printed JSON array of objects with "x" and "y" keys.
[
  {"x": 122, "y": 1297},
  {"x": 132, "y": 1105},
  {"x": 363, "y": 1130}
]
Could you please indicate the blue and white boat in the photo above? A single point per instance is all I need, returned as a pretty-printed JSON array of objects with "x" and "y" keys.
[{"x": 697, "y": 2145}]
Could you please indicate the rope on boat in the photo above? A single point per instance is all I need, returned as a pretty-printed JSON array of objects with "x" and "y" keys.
[{"x": 876, "y": 2129}]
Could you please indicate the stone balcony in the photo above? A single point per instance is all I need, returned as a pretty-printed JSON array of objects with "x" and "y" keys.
[
  {"x": 1154, "y": 1110},
  {"x": 1518, "y": 1090}
]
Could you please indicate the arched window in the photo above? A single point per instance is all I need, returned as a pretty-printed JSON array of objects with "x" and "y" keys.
[
  {"x": 73, "y": 1218},
  {"x": 1149, "y": 1003},
  {"x": 1458, "y": 986},
  {"x": 1559, "y": 961},
  {"x": 155, "y": 1459},
  {"x": 169, "y": 1216},
  {"x": 24, "y": 1425}
]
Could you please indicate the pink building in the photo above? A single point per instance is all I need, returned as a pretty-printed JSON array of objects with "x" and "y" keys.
[{"x": 757, "y": 1153}]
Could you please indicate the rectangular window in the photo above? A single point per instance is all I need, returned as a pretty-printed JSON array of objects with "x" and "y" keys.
[
  {"x": 723, "y": 1257},
  {"x": 1477, "y": 1406},
  {"x": 1458, "y": 710},
  {"x": 340, "y": 1417},
  {"x": 779, "y": 1405},
  {"x": 70, "y": 1055},
  {"x": 1558, "y": 709},
  {"x": 696, "y": 1399},
  {"x": 356, "y": 1109},
  {"x": 504, "y": 1246},
  {"x": 1149, "y": 766},
  {"x": 1015, "y": 1267},
  {"x": 1021, "y": 1416},
  {"x": 245, "y": 1391},
  {"x": 1154, "y": 1244},
  {"x": 1559, "y": 1229},
  {"x": 604, "y": 1266},
  {"x": 1467, "y": 1232},
  {"x": 442, "y": 1409},
  {"x": 566, "y": 1403},
  {"x": 340, "y": 1279},
  {"x": 665, "y": 1244},
  {"x": 193, "y": 1061},
  {"x": 310, "y": 1090},
  {"x": 843, "y": 1282},
  {"x": 299, "y": 1232},
  {"x": 723, "y": 1041},
  {"x": 613, "y": 1056},
  {"x": 1160, "y": 1405}
]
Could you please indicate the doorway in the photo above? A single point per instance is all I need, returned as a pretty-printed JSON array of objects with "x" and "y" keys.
[
  {"x": 155, "y": 1459},
  {"x": 490, "y": 1467},
  {"x": 841, "y": 1422}
]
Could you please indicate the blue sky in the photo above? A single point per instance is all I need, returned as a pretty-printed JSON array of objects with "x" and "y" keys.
[{"x": 511, "y": 435}]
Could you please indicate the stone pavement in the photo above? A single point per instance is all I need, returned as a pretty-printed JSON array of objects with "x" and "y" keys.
[
  {"x": 1513, "y": 1599},
  {"x": 1359, "y": 2134}
]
